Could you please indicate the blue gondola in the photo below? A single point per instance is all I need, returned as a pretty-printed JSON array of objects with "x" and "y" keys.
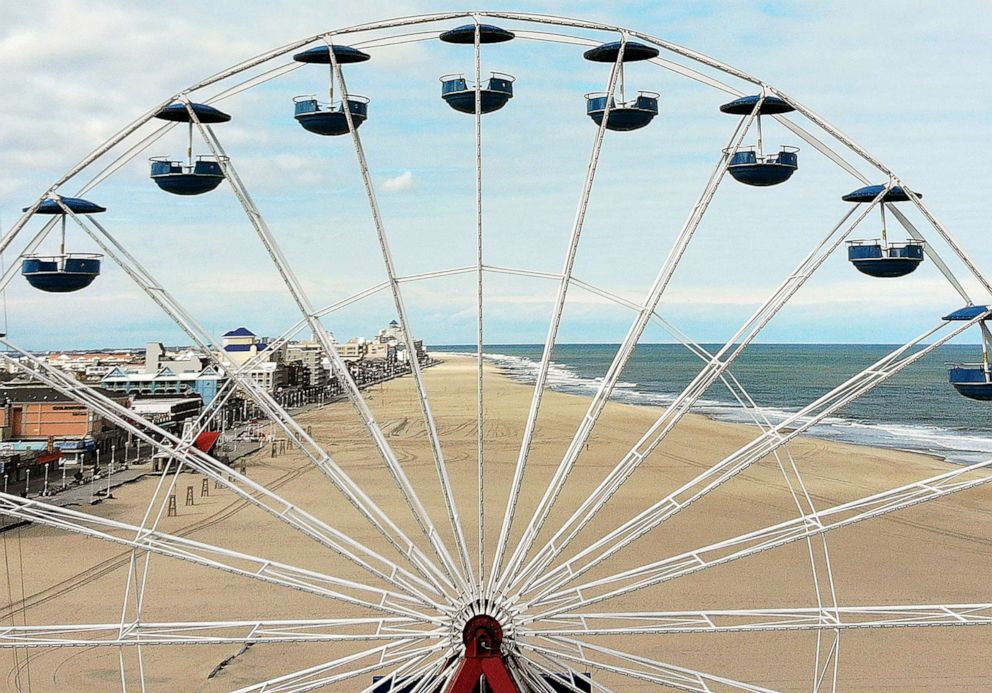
[
  {"x": 878, "y": 257},
  {"x": 885, "y": 260},
  {"x": 459, "y": 93},
  {"x": 181, "y": 179},
  {"x": 624, "y": 115},
  {"x": 495, "y": 92},
  {"x": 189, "y": 177},
  {"x": 64, "y": 272},
  {"x": 974, "y": 380},
  {"x": 331, "y": 118},
  {"x": 61, "y": 273},
  {"x": 750, "y": 165}
]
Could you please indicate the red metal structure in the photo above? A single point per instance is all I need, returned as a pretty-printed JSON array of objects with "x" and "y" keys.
[{"x": 483, "y": 638}]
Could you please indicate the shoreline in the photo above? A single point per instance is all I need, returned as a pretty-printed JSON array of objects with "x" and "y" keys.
[{"x": 910, "y": 436}]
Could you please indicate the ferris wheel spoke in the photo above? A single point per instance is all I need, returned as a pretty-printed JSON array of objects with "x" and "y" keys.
[
  {"x": 372, "y": 513},
  {"x": 340, "y": 368},
  {"x": 637, "y": 667},
  {"x": 480, "y": 390},
  {"x": 529, "y": 676},
  {"x": 732, "y": 465},
  {"x": 746, "y": 620},
  {"x": 531, "y": 574},
  {"x": 248, "y": 490},
  {"x": 950, "y": 240},
  {"x": 842, "y": 515},
  {"x": 428, "y": 674},
  {"x": 216, "y": 633},
  {"x": 530, "y": 426},
  {"x": 567, "y": 679},
  {"x": 413, "y": 358},
  {"x": 817, "y": 548},
  {"x": 621, "y": 358},
  {"x": 311, "y": 678},
  {"x": 526, "y": 668},
  {"x": 201, "y": 553}
]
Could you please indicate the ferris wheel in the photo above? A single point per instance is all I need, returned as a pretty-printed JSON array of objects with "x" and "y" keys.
[{"x": 510, "y": 583}]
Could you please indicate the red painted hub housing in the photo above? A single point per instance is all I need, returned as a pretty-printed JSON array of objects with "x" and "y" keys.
[{"x": 484, "y": 659}]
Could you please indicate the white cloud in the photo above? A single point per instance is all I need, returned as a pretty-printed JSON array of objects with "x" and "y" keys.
[
  {"x": 72, "y": 82},
  {"x": 404, "y": 181}
]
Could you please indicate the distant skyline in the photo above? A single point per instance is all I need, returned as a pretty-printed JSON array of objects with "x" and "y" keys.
[{"x": 907, "y": 83}]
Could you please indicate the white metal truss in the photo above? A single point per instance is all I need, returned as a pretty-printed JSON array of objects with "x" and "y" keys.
[
  {"x": 673, "y": 414},
  {"x": 746, "y": 620},
  {"x": 467, "y": 574},
  {"x": 238, "y": 563},
  {"x": 549, "y": 343},
  {"x": 625, "y": 351},
  {"x": 635, "y": 667},
  {"x": 217, "y": 633},
  {"x": 770, "y": 537},
  {"x": 294, "y": 432},
  {"x": 246, "y": 488},
  {"x": 738, "y": 461},
  {"x": 292, "y": 283}
]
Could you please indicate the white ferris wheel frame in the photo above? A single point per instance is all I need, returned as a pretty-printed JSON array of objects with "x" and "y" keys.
[{"x": 431, "y": 593}]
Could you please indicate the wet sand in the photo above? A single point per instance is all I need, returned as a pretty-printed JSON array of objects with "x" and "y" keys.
[{"x": 936, "y": 552}]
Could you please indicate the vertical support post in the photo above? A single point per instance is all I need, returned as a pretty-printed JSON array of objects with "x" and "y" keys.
[{"x": 189, "y": 495}]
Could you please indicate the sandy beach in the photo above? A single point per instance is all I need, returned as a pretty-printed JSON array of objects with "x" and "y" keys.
[{"x": 936, "y": 552}]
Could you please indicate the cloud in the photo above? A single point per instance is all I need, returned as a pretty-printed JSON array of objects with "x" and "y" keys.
[
  {"x": 72, "y": 82},
  {"x": 404, "y": 181}
]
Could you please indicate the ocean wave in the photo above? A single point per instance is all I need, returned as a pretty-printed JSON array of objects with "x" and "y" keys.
[{"x": 955, "y": 446}]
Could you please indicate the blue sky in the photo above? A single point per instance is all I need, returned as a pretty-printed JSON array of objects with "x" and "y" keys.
[{"x": 907, "y": 83}]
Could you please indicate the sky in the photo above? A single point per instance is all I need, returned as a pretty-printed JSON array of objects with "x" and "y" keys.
[{"x": 907, "y": 83}]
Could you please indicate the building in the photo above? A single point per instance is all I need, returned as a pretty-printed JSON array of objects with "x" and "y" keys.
[
  {"x": 242, "y": 345},
  {"x": 204, "y": 383},
  {"x": 92, "y": 365},
  {"x": 167, "y": 412},
  {"x": 380, "y": 351},
  {"x": 38, "y": 417},
  {"x": 157, "y": 358},
  {"x": 395, "y": 336},
  {"x": 310, "y": 355},
  {"x": 352, "y": 350},
  {"x": 392, "y": 334}
]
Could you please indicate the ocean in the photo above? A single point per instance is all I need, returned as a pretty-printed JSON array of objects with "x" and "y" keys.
[{"x": 915, "y": 410}]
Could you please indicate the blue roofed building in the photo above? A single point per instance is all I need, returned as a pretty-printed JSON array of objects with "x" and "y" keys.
[{"x": 241, "y": 345}]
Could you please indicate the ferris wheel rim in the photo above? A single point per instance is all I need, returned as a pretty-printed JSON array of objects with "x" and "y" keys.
[{"x": 395, "y": 280}]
